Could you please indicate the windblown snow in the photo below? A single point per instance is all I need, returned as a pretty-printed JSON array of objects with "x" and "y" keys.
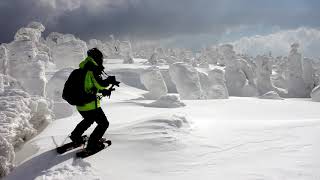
[{"x": 178, "y": 114}]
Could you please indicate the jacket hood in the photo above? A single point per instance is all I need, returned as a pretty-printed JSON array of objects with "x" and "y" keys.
[{"x": 88, "y": 63}]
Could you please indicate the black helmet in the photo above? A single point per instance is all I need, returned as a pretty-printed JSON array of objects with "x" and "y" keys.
[{"x": 96, "y": 54}]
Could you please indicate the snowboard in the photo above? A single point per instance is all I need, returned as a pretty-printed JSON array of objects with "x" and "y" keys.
[
  {"x": 84, "y": 153},
  {"x": 70, "y": 146}
]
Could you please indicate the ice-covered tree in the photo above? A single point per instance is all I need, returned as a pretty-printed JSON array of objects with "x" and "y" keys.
[{"x": 296, "y": 85}]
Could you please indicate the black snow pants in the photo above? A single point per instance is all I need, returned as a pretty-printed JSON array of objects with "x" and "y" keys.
[{"x": 96, "y": 115}]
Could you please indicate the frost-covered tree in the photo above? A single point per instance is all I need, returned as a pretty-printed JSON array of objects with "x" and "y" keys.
[
  {"x": 239, "y": 74},
  {"x": 264, "y": 71},
  {"x": 66, "y": 49},
  {"x": 153, "y": 60},
  {"x": 21, "y": 116},
  {"x": 296, "y": 85},
  {"x": 26, "y": 62},
  {"x": 187, "y": 80},
  {"x": 3, "y": 59},
  {"x": 154, "y": 82}
]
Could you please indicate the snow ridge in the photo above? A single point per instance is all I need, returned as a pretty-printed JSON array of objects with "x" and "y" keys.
[{"x": 159, "y": 129}]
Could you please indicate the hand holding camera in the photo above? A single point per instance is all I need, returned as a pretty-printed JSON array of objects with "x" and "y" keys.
[{"x": 112, "y": 80}]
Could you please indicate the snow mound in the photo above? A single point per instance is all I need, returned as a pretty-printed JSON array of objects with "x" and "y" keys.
[
  {"x": 271, "y": 95},
  {"x": 167, "y": 101},
  {"x": 315, "y": 94},
  {"x": 157, "y": 130}
]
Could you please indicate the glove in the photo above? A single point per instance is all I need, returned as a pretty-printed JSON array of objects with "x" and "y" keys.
[{"x": 107, "y": 92}]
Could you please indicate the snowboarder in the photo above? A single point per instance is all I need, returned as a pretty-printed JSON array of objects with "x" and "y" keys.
[{"x": 92, "y": 112}]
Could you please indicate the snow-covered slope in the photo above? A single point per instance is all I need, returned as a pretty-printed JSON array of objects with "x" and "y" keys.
[{"x": 236, "y": 138}]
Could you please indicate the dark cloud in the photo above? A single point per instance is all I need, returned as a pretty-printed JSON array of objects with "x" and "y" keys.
[
  {"x": 154, "y": 18},
  {"x": 15, "y": 14}
]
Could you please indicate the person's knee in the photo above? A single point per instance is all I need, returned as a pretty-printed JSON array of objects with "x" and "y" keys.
[
  {"x": 103, "y": 122},
  {"x": 102, "y": 119}
]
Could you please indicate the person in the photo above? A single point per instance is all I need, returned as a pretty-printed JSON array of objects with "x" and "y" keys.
[{"x": 92, "y": 112}]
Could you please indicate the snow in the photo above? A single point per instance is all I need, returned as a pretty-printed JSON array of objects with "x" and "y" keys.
[
  {"x": 209, "y": 55},
  {"x": 54, "y": 90},
  {"x": 27, "y": 61},
  {"x": 296, "y": 84},
  {"x": 238, "y": 73},
  {"x": 153, "y": 81},
  {"x": 21, "y": 116},
  {"x": 27, "y": 33},
  {"x": 213, "y": 84},
  {"x": 128, "y": 76},
  {"x": 188, "y": 142},
  {"x": 3, "y": 59},
  {"x": 167, "y": 101},
  {"x": 55, "y": 85},
  {"x": 315, "y": 94},
  {"x": 279, "y": 73},
  {"x": 94, "y": 43},
  {"x": 66, "y": 49},
  {"x": 6, "y": 157},
  {"x": 167, "y": 79},
  {"x": 187, "y": 80},
  {"x": 235, "y": 138},
  {"x": 270, "y": 95},
  {"x": 308, "y": 74},
  {"x": 153, "y": 60},
  {"x": 264, "y": 74}
]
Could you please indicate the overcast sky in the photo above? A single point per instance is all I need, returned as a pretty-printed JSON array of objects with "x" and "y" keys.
[{"x": 159, "y": 19}]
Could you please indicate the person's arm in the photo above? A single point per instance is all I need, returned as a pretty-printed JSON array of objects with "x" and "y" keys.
[
  {"x": 98, "y": 77},
  {"x": 98, "y": 82}
]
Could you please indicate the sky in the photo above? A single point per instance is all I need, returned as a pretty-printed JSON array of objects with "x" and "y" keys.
[{"x": 182, "y": 21}]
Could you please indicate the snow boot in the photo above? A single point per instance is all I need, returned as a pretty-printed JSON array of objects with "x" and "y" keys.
[
  {"x": 78, "y": 140},
  {"x": 95, "y": 147}
]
